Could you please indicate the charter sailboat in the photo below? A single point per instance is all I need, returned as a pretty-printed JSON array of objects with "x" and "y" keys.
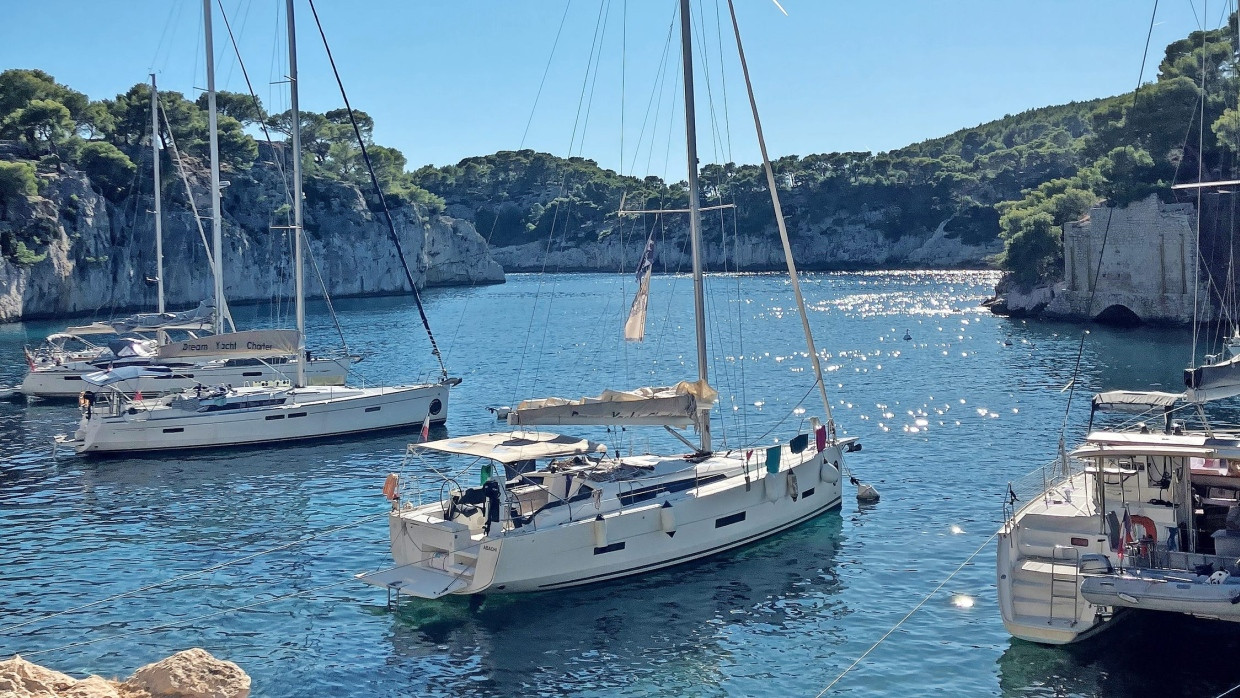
[
  {"x": 60, "y": 366},
  {"x": 223, "y": 415},
  {"x": 555, "y": 511}
]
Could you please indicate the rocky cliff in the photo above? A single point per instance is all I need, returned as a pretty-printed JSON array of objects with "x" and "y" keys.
[
  {"x": 101, "y": 254},
  {"x": 840, "y": 243}
]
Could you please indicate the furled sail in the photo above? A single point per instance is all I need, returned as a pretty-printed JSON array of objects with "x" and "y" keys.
[
  {"x": 678, "y": 405},
  {"x": 251, "y": 343},
  {"x": 635, "y": 326},
  {"x": 1213, "y": 381},
  {"x": 199, "y": 318}
]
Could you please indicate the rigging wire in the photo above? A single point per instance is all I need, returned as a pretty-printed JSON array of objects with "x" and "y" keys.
[
  {"x": 417, "y": 297},
  {"x": 908, "y": 615},
  {"x": 1093, "y": 286},
  {"x": 284, "y": 179}
]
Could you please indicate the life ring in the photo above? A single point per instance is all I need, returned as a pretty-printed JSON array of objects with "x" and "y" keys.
[
  {"x": 1151, "y": 529},
  {"x": 793, "y": 491},
  {"x": 390, "y": 485}
]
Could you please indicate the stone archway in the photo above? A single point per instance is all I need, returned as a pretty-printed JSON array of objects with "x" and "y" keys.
[{"x": 1118, "y": 315}]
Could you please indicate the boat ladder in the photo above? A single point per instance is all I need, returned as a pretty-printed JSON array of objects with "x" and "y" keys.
[{"x": 1064, "y": 585}]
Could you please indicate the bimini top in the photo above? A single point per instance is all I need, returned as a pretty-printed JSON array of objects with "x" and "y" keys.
[
  {"x": 1135, "y": 400},
  {"x": 124, "y": 373},
  {"x": 510, "y": 447}
]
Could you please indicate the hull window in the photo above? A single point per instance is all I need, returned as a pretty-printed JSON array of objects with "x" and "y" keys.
[
  {"x": 73, "y": 378},
  {"x": 297, "y": 414},
  {"x": 729, "y": 520},
  {"x": 807, "y": 493},
  {"x": 609, "y": 548},
  {"x": 174, "y": 430},
  {"x": 372, "y": 409},
  {"x": 274, "y": 416}
]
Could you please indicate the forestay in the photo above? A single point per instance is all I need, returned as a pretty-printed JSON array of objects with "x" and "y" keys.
[{"x": 679, "y": 405}]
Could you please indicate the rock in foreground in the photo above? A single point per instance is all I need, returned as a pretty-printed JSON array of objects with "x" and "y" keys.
[{"x": 193, "y": 673}]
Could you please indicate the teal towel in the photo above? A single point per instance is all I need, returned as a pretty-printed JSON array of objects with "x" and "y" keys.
[{"x": 772, "y": 459}]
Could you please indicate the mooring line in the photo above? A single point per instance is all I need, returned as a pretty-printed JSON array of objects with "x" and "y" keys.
[
  {"x": 907, "y": 616},
  {"x": 189, "y": 575}
]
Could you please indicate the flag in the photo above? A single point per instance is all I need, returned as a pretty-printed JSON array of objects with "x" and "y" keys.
[
  {"x": 635, "y": 326},
  {"x": 426, "y": 427},
  {"x": 29, "y": 358},
  {"x": 820, "y": 438},
  {"x": 137, "y": 395}
]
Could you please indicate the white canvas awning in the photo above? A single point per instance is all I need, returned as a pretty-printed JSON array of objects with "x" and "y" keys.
[
  {"x": 677, "y": 405},
  {"x": 82, "y": 330},
  {"x": 510, "y": 447},
  {"x": 1135, "y": 400},
  {"x": 251, "y": 343},
  {"x": 1096, "y": 450}
]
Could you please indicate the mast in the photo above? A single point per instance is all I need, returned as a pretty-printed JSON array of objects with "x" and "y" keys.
[
  {"x": 217, "y": 232},
  {"x": 297, "y": 253},
  {"x": 695, "y": 216},
  {"x": 783, "y": 231},
  {"x": 159, "y": 218}
]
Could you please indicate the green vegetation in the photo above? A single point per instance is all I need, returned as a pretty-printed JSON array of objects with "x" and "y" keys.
[
  {"x": 1017, "y": 179},
  {"x": 57, "y": 125}
]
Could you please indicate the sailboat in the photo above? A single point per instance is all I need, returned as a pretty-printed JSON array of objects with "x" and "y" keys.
[
  {"x": 208, "y": 416},
  {"x": 555, "y": 511},
  {"x": 60, "y": 366}
]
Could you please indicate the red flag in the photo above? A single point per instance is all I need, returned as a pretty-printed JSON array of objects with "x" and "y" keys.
[
  {"x": 29, "y": 358},
  {"x": 137, "y": 395},
  {"x": 426, "y": 427}
]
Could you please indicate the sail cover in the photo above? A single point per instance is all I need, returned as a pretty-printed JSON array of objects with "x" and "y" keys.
[
  {"x": 199, "y": 318},
  {"x": 1213, "y": 381},
  {"x": 635, "y": 326},
  {"x": 510, "y": 447},
  {"x": 677, "y": 405},
  {"x": 251, "y": 343}
]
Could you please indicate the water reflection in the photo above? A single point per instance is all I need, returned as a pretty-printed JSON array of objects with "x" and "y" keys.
[
  {"x": 1149, "y": 654},
  {"x": 668, "y": 633}
]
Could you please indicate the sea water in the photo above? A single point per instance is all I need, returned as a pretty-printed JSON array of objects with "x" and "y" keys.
[{"x": 947, "y": 418}]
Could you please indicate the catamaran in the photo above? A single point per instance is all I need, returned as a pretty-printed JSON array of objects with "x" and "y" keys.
[
  {"x": 208, "y": 415},
  {"x": 554, "y": 511}
]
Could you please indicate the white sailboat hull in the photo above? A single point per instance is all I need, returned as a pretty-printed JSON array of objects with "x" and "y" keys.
[
  {"x": 66, "y": 381},
  {"x": 309, "y": 413},
  {"x": 708, "y": 519}
]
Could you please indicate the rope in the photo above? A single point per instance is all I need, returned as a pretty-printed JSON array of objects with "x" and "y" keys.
[
  {"x": 417, "y": 297},
  {"x": 907, "y": 616},
  {"x": 189, "y": 575}
]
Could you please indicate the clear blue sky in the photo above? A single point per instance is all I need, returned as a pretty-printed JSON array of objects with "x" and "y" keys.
[{"x": 446, "y": 80}]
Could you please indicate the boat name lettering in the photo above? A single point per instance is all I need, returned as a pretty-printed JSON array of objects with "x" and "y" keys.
[
  {"x": 225, "y": 345},
  {"x": 490, "y": 548},
  {"x": 186, "y": 346},
  {"x": 261, "y": 346}
]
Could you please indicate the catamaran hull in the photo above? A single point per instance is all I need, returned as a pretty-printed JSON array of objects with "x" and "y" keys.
[
  {"x": 370, "y": 409},
  {"x": 711, "y": 519},
  {"x": 66, "y": 381}
]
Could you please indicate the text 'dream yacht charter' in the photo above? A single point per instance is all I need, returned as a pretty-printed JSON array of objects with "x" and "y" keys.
[
  {"x": 240, "y": 414},
  {"x": 554, "y": 511}
]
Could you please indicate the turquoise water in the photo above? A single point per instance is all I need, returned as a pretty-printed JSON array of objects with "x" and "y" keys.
[{"x": 947, "y": 419}]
